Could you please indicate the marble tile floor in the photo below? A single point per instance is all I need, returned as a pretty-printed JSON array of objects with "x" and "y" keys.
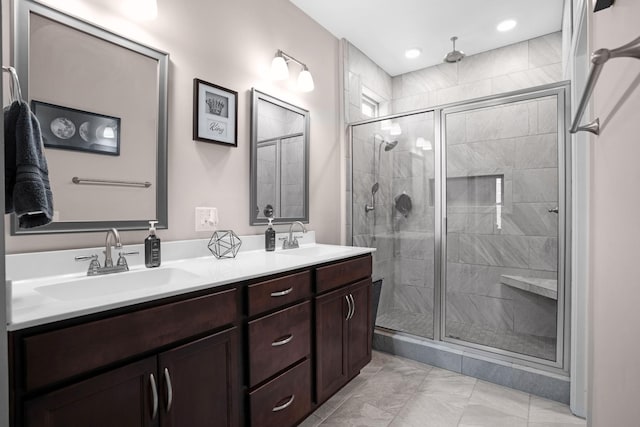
[
  {"x": 422, "y": 326},
  {"x": 395, "y": 392}
]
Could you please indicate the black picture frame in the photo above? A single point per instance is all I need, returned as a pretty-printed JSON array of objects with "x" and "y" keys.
[
  {"x": 67, "y": 128},
  {"x": 215, "y": 113}
]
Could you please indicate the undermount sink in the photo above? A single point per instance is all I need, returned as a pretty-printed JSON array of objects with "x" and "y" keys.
[
  {"x": 100, "y": 286},
  {"x": 314, "y": 251}
]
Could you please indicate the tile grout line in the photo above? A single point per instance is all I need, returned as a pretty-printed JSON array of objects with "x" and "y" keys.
[
  {"x": 410, "y": 399},
  {"x": 475, "y": 384},
  {"x": 349, "y": 396}
]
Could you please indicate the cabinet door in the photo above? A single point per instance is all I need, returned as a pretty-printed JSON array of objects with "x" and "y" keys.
[
  {"x": 122, "y": 397},
  {"x": 359, "y": 327},
  {"x": 331, "y": 343},
  {"x": 200, "y": 382}
]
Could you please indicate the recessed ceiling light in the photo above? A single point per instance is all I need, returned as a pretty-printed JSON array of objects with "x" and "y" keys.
[
  {"x": 413, "y": 53},
  {"x": 507, "y": 25}
]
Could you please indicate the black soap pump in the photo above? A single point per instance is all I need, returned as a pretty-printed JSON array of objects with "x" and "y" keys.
[
  {"x": 152, "y": 247},
  {"x": 270, "y": 233}
]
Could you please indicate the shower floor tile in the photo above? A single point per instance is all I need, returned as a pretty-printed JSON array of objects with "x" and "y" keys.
[
  {"x": 434, "y": 397},
  {"x": 422, "y": 325}
]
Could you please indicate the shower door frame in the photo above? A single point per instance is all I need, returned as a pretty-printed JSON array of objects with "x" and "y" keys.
[{"x": 563, "y": 326}]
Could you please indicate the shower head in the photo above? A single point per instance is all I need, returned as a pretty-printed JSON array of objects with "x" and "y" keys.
[
  {"x": 374, "y": 188},
  {"x": 454, "y": 55},
  {"x": 388, "y": 146}
]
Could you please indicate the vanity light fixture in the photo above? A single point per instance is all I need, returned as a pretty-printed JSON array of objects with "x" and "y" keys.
[
  {"x": 280, "y": 71},
  {"x": 506, "y": 25}
]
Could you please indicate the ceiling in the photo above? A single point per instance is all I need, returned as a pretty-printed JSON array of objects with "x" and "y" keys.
[{"x": 384, "y": 29}]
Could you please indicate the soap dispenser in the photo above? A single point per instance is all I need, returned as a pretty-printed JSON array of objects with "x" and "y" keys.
[
  {"x": 270, "y": 237},
  {"x": 152, "y": 247},
  {"x": 270, "y": 233}
]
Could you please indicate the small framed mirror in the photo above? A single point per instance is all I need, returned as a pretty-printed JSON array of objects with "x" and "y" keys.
[
  {"x": 101, "y": 100},
  {"x": 279, "y": 161}
]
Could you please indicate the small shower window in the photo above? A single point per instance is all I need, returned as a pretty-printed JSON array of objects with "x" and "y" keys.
[
  {"x": 369, "y": 103},
  {"x": 369, "y": 107}
]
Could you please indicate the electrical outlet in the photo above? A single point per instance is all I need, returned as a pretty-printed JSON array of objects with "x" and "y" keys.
[{"x": 206, "y": 219}]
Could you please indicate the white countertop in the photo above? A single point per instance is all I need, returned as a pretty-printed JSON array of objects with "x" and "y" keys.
[{"x": 30, "y": 307}]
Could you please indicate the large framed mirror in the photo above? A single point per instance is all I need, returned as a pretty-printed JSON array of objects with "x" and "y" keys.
[
  {"x": 81, "y": 73},
  {"x": 279, "y": 160}
]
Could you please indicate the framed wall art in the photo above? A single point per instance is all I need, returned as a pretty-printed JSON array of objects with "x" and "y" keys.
[
  {"x": 71, "y": 129},
  {"x": 215, "y": 114}
]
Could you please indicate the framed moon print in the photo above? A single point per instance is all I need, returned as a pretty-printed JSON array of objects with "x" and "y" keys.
[
  {"x": 215, "y": 114},
  {"x": 70, "y": 129}
]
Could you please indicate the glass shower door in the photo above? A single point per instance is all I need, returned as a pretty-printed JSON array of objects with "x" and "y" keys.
[
  {"x": 503, "y": 207},
  {"x": 393, "y": 210}
]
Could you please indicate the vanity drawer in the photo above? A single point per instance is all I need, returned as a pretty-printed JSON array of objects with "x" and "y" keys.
[
  {"x": 342, "y": 273},
  {"x": 54, "y": 356},
  {"x": 278, "y": 340},
  {"x": 275, "y": 293},
  {"x": 284, "y": 400}
]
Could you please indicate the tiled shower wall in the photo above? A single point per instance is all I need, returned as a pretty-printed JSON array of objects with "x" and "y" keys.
[
  {"x": 402, "y": 251},
  {"x": 522, "y": 65}
]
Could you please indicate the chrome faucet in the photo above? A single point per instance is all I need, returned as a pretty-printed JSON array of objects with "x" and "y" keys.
[
  {"x": 112, "y": 239},
  {"x": 108, "y": 261},
  {"x": 292, "y": 242}
]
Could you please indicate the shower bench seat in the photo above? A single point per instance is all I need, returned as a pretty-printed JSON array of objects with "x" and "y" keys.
[{"x": 544, "y": 287}]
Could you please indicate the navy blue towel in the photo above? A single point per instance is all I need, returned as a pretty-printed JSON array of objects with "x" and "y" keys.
[{"x": 27, "y": 190}]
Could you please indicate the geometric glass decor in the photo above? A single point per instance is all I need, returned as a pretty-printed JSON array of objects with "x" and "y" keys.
[{"x": 224, "y": 244}]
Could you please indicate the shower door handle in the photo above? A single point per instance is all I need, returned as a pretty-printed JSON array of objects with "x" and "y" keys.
[{"x": 553, "y": 210}]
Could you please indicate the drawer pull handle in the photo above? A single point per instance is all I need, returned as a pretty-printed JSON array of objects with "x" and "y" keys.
[
  {"x": 154, "y": 394},
  {"x": 283, "y": 341},
  {"x": 282, "y": 293},
  {"x": 284, "y": 405},
  {"x": 167, "y": 380},
  {"x": 353, "y": 306}
]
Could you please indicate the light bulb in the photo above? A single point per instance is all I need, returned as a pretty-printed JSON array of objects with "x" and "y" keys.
[
  {"x": 305, "y": 81},
  {"x": 412, "y": 53},
  {"x": 395, "y": 129},
  {"x": 507, "y": 25},
  {"x": 108, "y": 132},
  {"x": 279, "y": 68}
]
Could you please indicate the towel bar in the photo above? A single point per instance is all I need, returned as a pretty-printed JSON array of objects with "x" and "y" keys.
[
  {"x": 598, "y": 59},
  {"x": 91, "y": 181}
]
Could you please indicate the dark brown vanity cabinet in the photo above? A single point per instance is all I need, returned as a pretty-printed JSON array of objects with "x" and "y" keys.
[
  {"x": 189, "y": 385},
  {"x": 167, "y": 365},
  {"x": 343, "y": 324},
  {"x": 279, "y": 356},
  {"x": 262, "y": 353}
]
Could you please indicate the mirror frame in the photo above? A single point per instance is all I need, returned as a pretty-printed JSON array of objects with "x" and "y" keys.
[
  {"x": 256, "y": 97},
  {"x": 22, "y": 12}
]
